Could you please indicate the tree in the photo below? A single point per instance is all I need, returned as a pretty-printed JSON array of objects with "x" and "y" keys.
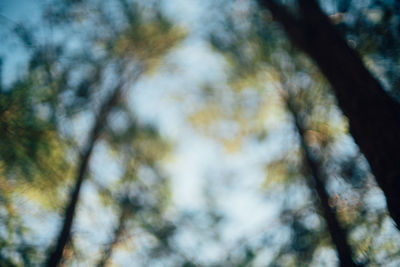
[
  {"x": 86, "y": 178},
  {"x": 136, "y": 41},
  {"x": 360, "y": 96},
  {"x": 337, "y": 233},
  {"x": 268, "y": 54}
]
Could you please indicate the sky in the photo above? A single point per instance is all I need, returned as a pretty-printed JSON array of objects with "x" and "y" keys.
[{"x": 12, "y": 53}]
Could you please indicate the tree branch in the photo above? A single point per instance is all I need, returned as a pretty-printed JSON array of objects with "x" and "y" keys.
[
  {"x": 64, "y": 235},
  {"x": 317, "y": 180}
]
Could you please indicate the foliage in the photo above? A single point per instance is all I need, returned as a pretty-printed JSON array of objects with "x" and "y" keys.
[{"x": 127, "y": 209}]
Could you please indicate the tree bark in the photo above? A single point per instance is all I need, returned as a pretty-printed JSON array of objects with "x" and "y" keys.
[
  {"x": 374, "y": 117},
  {"x": 317, "y": 182}
]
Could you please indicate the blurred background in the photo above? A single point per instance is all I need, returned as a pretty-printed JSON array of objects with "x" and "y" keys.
[{"x": 184, "y": 133}]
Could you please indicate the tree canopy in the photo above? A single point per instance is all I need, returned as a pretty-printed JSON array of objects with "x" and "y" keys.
[{"x": 199, "y": 133}]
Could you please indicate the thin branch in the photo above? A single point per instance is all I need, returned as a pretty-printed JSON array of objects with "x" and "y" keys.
[{"x": 108, "y": 251}]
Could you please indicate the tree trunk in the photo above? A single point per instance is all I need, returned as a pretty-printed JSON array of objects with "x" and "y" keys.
[
  {"x": 64, "y": 235},
  {"x": 374, "y": 117},
  {"x": 317, "y": 183}
]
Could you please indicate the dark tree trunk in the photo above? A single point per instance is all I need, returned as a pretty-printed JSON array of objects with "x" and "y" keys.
[
  {"x": 317, "y": 182},
  {"x": 374, "y": 117},
  {"x": 56, "y": 256}
]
